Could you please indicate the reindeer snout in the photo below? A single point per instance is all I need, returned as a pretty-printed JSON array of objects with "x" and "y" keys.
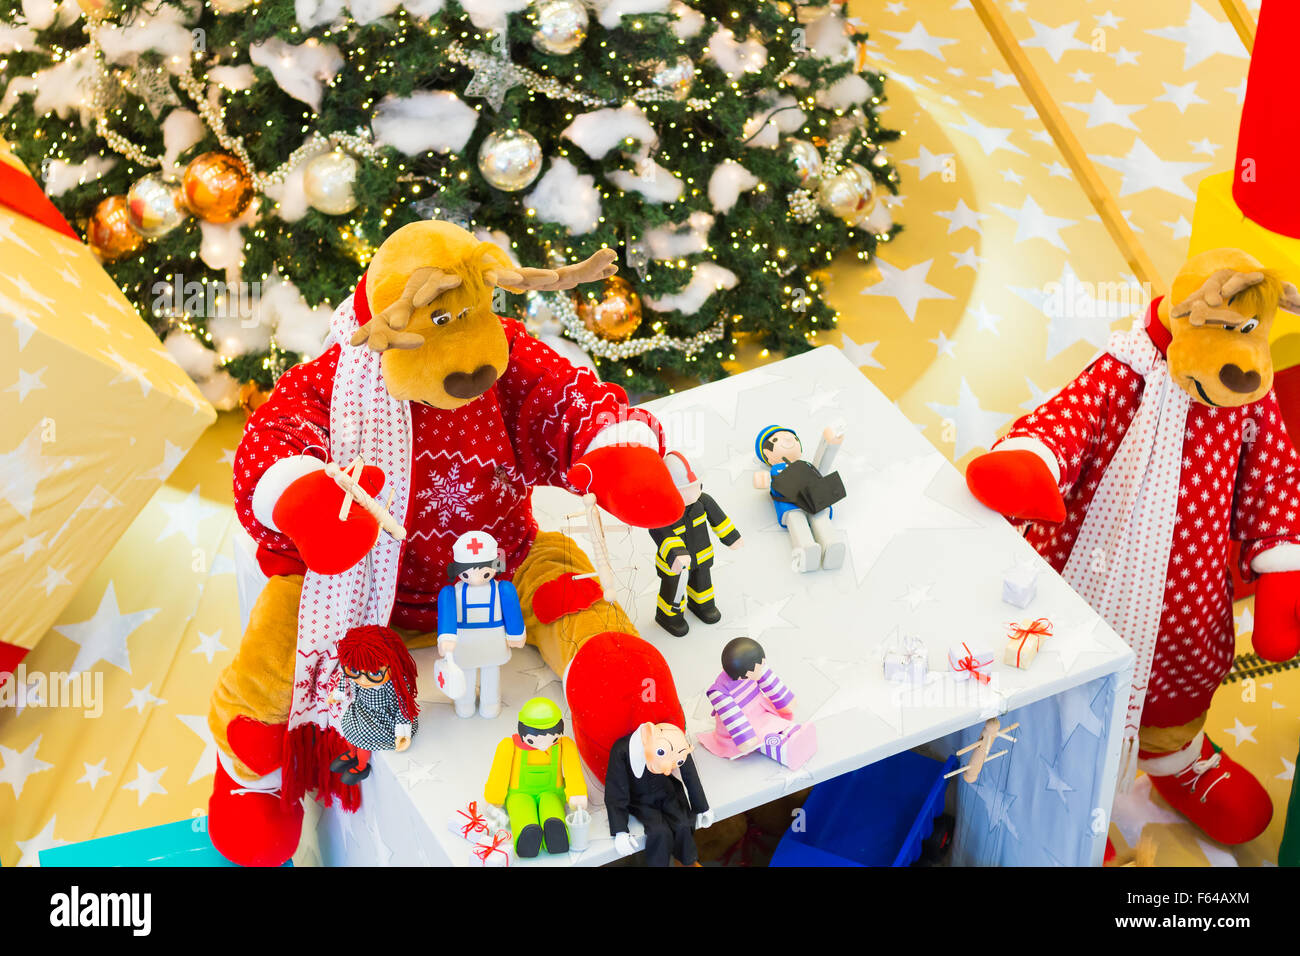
[
  {"x": 1236, "y": 380},
  {"x": 470, "y": 384}
]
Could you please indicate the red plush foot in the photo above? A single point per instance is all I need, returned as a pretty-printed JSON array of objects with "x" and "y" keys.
[
  {"x": 1277, "y": 616},
  {"x": 631, "y": 482},
  {"x": 1017, "y": 484},
  {"x": 260, "y": 746},
  {"x": 1219, "y": 795},
  {"x": 251, "y": 828},
  {"x": 1109, "y": 854},
  {"x": 565, "y": 595},
  {"x": 308, "y": 512},
  {"x": 615, "y": 683}
]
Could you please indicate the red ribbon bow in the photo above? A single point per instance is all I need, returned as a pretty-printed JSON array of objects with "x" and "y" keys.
[
  {"x": 1039, "y": 629},
  {"x": 477, "y": 822},
  {"x": 969, "y": 664},
  {"x": 485, "y": 850}
]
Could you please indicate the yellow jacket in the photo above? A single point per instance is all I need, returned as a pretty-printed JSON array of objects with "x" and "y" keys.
[{"x": 504, "y": 775}]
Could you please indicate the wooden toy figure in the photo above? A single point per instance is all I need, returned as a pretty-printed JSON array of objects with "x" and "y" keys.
[
  {"x": 651, "y": 776},
  {"x": 754, "y": 710},
  {"x": 685, "y": 553},
  {"x": 802, "y": 494},
  {"x": 534, "y": 775},
  {"x": 479, "y": 620},
  {"x": 381, "y": 714}
]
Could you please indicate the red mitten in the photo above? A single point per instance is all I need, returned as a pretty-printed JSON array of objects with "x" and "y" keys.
[
  {"x": 614, "y": 684},
  {"x": 631, "y": 482},
  {"x": 308, "y": 512},
  {"x": 1277, "y": 616},
  {"x": 1017, "y": 484},
  {"x": 565, "y": 595}
]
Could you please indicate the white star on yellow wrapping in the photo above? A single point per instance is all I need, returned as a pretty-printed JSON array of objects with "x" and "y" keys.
[
  {"x": 1202, "y": 36},
  {"x": 20, "y": 764},
  {"x": 95, "y": 772},
  {"x": 45, "y": 840},
  {"x": 24, "y": 467},
  {"x": 146, "y": 783}
]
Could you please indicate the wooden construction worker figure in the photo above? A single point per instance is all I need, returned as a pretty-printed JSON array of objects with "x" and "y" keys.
[
  {"x": 685, "y": 552},
  {"x": 479, "y": 621},
  {"x": 534, "y": 776}
]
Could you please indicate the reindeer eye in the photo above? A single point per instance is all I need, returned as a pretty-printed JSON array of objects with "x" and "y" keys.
[
  {"x": 441, "y": 318},
  {"x": 1249, "y": 326}
]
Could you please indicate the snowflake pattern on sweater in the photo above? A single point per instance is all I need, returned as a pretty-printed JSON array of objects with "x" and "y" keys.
[
  {"x": 1240, "y": 481},
  {"x": 473, "y": 468}
]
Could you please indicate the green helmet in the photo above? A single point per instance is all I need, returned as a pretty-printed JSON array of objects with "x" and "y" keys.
[{"x": 540, "y": 713}]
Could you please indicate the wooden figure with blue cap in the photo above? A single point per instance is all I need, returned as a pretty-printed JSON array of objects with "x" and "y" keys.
[{"x": 803, "y": 493}]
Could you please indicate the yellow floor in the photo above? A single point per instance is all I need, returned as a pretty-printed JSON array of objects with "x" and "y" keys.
[{"x": 947, "y": 323}]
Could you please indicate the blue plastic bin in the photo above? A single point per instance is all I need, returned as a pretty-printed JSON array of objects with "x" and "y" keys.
[
  {"x": 183, "y": 843},
  {"x": 876, "y": 816}
]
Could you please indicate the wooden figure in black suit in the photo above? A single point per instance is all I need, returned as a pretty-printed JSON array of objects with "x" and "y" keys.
[{"x": 651, "y": 776}]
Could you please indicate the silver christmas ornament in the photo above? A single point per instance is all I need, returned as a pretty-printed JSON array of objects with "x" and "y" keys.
[
  {"x": 561, "y": 25},
  {"x": 675, "y": 78},
  {"x": 154, "y": 206},
  {"x": 510, "y": 159},
  {"x": 329, "y": 180},
  {"x": 806, "y": 159},
  {"x": 850, "y": 194}
]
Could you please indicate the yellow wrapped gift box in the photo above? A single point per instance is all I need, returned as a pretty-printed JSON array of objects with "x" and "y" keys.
[{"x": 94, "y": 414}]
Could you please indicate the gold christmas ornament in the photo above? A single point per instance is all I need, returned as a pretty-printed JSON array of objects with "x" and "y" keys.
[
  {"x": 109, "y": 231},
  {"x": 328, "y": 182},
  {"x": 805, "y": 158},
  {"x": 675, "y": 78},
  {"x": 850, "y": 194},
  {"x": 228, "y": 6},
  {"x": 217, "y": 187},
  {"x": 561, "y": 25},
  {"x": 613, "y": 315},
  {"x": 92, "y": 7},
  {"x": 510, "y": 159},
  {"x": 154, "y": 206}
]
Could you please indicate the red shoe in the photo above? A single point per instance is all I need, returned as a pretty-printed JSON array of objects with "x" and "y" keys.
[
  {"x": 1016, "y": 483},
  {"x": 1218, "y": 794},
  {"x": 252, "y": 827}
]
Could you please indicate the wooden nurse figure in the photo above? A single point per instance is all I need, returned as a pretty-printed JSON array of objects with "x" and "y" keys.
[
  {"x": 479, "y": 620},
  {"x": 381, "y": 714},
  {"x": 802, "y": 494}
]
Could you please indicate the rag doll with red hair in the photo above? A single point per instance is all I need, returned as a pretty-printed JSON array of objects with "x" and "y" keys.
[{"x": 378, "y": 697}]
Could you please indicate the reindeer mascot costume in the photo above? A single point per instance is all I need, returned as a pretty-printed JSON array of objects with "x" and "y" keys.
[{"x": 457, "y": 414}]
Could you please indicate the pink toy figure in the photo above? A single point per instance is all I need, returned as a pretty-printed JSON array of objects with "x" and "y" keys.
[{"x": 754, "y": 710}]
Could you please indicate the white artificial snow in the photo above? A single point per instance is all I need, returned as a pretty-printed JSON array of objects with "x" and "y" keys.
[
  {"x": 298, "y": 326},
  {"x": 60, "y": 89},
  {"x": 222, "y": 245},
  {"x": 706, "y": 279},
  {"x": 825, "y": 38},
  {"x": 302, "y": 70},
  {"x": 566, "y": 196},
  {"x": 680, "y": 239},
  {"x": 611, "y": 12},
  {"x": 650, "y": 180},
  {"x": 61, "y": 176},
  {"x": 368, "y": 11},
  {"x": 15, "y": 38},
  {"x": 423, "y": 9},
  {"x": 728, "y": 181},
  {"x": 426, "y": 120},
  {"x": 221, "y": 391},
  {"x": 491, "y": 14},
  {"x": 733, "y": 56},
  {"x": 166, "y": 30},
  {"x": 40, "y": 14},
  {"x": 599, "y": 131},
  {"x": 181, "y": 129},
  {"x": 316, "y": 13},
  {"x": 689, "y": 20},
  {"x": 233, "y": 78},
  {"x": 848, "y": 91},
  {"x": 196, "y": 359}
]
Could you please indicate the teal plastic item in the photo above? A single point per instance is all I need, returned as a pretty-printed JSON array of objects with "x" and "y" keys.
[
  {"x": 183, "y": 843},
  {"x": 876, "y": 816}
]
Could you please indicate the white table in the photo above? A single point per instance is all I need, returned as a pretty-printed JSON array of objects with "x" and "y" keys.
[{"x": 924, "y": 558}]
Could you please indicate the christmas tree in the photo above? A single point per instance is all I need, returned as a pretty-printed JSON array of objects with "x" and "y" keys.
[{"x": 236, "y": 163}]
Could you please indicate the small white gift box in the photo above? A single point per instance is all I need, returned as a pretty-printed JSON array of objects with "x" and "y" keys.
[
  {"x": 1020, "y": 586},
  {"x": 908, "y": 662},
  {"x": 498, "y": 850},
  {"x": 969, "y": 661}
]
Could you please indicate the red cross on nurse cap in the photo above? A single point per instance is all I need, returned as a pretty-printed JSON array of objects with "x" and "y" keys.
[{"x": 474, "y": 547}]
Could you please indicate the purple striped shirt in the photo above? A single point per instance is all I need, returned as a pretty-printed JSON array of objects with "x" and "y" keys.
[{"x": 730, "y": 696}]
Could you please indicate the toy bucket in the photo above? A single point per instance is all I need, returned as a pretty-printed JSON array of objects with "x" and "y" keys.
[{"x": 579, "y": 824}]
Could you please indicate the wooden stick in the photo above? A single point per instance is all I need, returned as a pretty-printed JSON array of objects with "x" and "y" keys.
[
  {"x": 352, "y": 490},
  {"x": 1084, "y": 171},
  {"x": 1241, "y": 21}
]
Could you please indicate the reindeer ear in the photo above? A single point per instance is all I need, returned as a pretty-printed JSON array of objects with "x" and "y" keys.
[{"x": 1290, "y": 301}]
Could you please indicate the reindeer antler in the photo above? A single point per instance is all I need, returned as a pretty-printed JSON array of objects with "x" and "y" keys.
[
  {"x": 524, "y": 279},
  {"x": 385, "y": 330},
  {"x": 1204, "y": 306}
]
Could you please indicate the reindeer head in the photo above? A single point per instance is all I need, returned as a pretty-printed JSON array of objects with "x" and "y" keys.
[
  {"x": 1220, "y": 311},
  {"x": 429, "y": 287}
]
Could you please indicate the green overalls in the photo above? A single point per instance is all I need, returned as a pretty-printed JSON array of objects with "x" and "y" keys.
[{"x": 537, "y": 798}]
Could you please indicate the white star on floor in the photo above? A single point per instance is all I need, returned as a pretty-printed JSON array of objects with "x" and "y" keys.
[
  {"x": 917, "y": 39},
  {"x": 541, "y": 676},
  {"x": 990, "y": 138},
  {"x": 146, "y": 783},
  {"x": 1033, "y": 223},
  {"x": 791, "y": 780},
  {"x": 891, "y": 500},
  {"x": 1074, "y": 313},
  {"x": 928, "y": 163},
  {"x": 985, "y": 320},
  {"x": 967, "y": 259},
  {"x": 1240, "y": 732},
  {"x": 908, "y": 286},
  {"x": 95, "y": 772},
  {"x": 1141, "y": 169},
  {"x": 27, "y": 383},
  {"x": 860, "y": 353},
  {"x": 1057, "y": 41},
  {"x": 945, "y": 345},
  {"x": 858, "y": 688},
  {"x": 45, "y": 840},
  {"x": 1245, "y": 622},
  {"x": 974, "y": 426},
  {"x": 20, "y": 764},
  {"x": 210, "y": 645},
  {"x": 1181, "y": 96},
  {"x": 207, "y": 762},
  {"x": 185, "y": 516},
  {"x": 103, "y": 636},
  {"x": 23, "y": 468},
  {"x": 1288, "y": 770},
  {"x": 142, "y": 697},
  {"x": 1103, "y": 110},
  {"x": 760, "y": 617},
  {"x": 916, "y": 595},
  {"x": 1202, "y": 36},
  {"x": 417, "y": 772}
]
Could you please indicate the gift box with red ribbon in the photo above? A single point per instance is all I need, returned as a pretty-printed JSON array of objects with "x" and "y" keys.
[
  {"x": 967, "y": 661},
  {"x": 1025, "y": 640},
  {"x": 497, "y": 850}
]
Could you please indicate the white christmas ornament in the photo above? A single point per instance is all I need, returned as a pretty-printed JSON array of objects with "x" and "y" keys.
[
  {"x": 427, "y": 120},
  {"x": 611, "y": 12},
  {"x": 328, "y": 180},
  {"x": 599, "y": 131},
  {"x": 565, "y": 196},
  {"x": 301, "y": 71},
  {"x": 735, "y": 57},
  {"x": 680, "y": 239},
  {"x": 561, "y": 26},
  {"x": 706, "y": 279},
  {"x": 728, "y": 181},
  {"x": 61, "y": 176},
  {"x": 650, "y": 180}
]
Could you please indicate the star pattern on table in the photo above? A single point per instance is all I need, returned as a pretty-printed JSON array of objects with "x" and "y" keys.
[
  {"x": 541, "y": 675},
  {"x": 914, "y": 595},
  {"x": 18, "y": 765},
  {"x": 417, "y": 772},
  {"x": 857, "y": 687},
  {"x": 103, "y": 636},
  {"x": 759, "y": 617},
  {"x": 146, "y": 783},
  {"x": 206, "y": 764},
  {"x": 972, "y": 425},
  {"x": 790, "y": 780},
  {"x": 908, "y": 286}
]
